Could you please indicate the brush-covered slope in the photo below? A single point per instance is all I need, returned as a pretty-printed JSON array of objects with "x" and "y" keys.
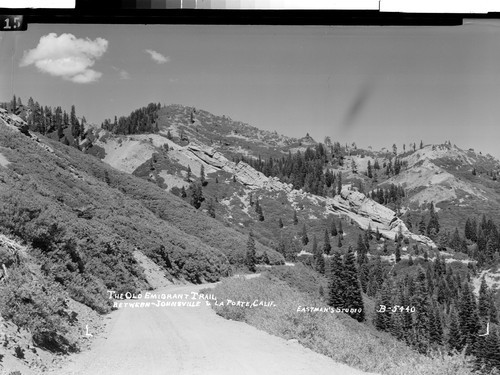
[{"x": 81, "y": 222}]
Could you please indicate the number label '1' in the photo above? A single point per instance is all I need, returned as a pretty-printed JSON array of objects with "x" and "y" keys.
[{"x": 12, "y": 23}]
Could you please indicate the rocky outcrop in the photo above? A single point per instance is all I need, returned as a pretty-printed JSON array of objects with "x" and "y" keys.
[
  {"x": 244, "y": 173},
  {"x": 368, "y": 213},
  {"x": 350, "y": 203},
  {"x": 15, "y": 122},
  {"x": 208, "y": 154}
]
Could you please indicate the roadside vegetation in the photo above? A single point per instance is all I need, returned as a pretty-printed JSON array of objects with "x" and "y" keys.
[{"x": 333, "y": 334}]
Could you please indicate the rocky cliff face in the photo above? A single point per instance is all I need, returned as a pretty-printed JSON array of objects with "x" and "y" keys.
[
  {"x": 244, "y": 173},
  {"x": 368, "y": 213},
  {"x": 350, "y": 203}
]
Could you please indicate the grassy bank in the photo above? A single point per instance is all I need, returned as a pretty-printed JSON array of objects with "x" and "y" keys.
[{"x": 335, "y": 335}]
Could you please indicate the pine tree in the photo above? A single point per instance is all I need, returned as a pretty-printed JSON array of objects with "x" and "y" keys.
[
  {"x": 493, "y": 309},
  {"x": 336, "y": 282},
  {"x": 327, "y": 247},
  {"x": 340, "y": 230},
  {"x": 484, "y": 301},
  {"x": 398, "y": 252},
  {"x": 468, "y": 318},
  {"x": 196, "y": 195},
  {"x": 304, "y": 237},
  {"x": 369, "y": 170},
  {"x": 364, "y": 275},
  {"x": 422, "y": 318},
  {"x": 189, "y": 173},
  {"x": 421, "y": 226},
  {"x": 280, "y": 223},
  {"x": 75, "y": 126},
  {"x": 333, "y": 230},
  {"x": 433, "y": 224},
  {"x": 339, "y": 241},
  {"x": 353, "y": 297},
  {"x": 382, "y": 318},
  {"x": 319, "y": 260},
  {"x": 354, "y": 167},
  {"x": 436, "y": 326},
  {"x": 454, "y": 340},
  {"x": 258, "y": 210},
  {"x": 211, "y": 208},
  {"x": 202, "y": 176},
  {"x": 489, "y": 353},
  {"x": 339, "y": 183},
  {"x": 361, "y": 250},
  {"x": 295, "y": 219},
  {"x": 410, "y": 261},
  {"x": 251, "y": 258}
]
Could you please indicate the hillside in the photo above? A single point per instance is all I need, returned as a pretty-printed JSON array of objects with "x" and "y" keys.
[
  {"x": 81, "y": 222},
  {"x": 185, "y": 187}
]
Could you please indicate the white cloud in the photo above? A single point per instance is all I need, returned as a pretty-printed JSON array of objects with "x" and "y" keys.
[
  {"x": 157, "y": 57},
  {"x": 67, "y": 56},
  {"x": 122, "y": 73}
]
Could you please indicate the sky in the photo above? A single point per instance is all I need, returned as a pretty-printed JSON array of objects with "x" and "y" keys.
[{"x": 374, "y": 86}]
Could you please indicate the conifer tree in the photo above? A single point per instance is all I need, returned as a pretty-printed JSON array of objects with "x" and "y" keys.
[
  {"x": 484, "y": 301},
  {"x": 493, "y": 309},
  {"x": 369, "y": 170},
  {"x": 336, "y": 282},
  {"x": 333, "y": 229},
  {"x": 353, "y": 297},
  {"x": 280, "y": 223},
  {"x": 468, "y": 318},
  {"x": 398, "y": 252},
  {"x": 382, "y": 317},
  {"x": 454, "y": 340},
  {"x": 202, "y": 176},
  {"x": 436, "y": 326},
  {"x": 258, "y": 210},
  {"x": 211, "y": 208},
  {"x": 251, "y": 258},
  {"x": 339, "y": 183},
  {"x": 340, "y": 230},
  {"x": 196, "y": 195},
  {"x": 319, "y": 260},
  {"x": 433, "y": 224},
  {"x": 339, "y": 241},
  {"x": 421, "y": 226},
  {"x": 75, "y": 126},
  {"x": 396, "y": 327},
  {"x": 364, "y": 275},
  {"x": 410, "y": 261},
  {"x": 327, "y": 247},
  {"x": 422, "y": 318},
  {"x": 304, "y": 237},
  {"x": 295, "y": 219},
  {"x": 361, "y": 250}
]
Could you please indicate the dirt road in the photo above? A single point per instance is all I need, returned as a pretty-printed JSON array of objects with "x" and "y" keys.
[{"x": 190, "y": 341}]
